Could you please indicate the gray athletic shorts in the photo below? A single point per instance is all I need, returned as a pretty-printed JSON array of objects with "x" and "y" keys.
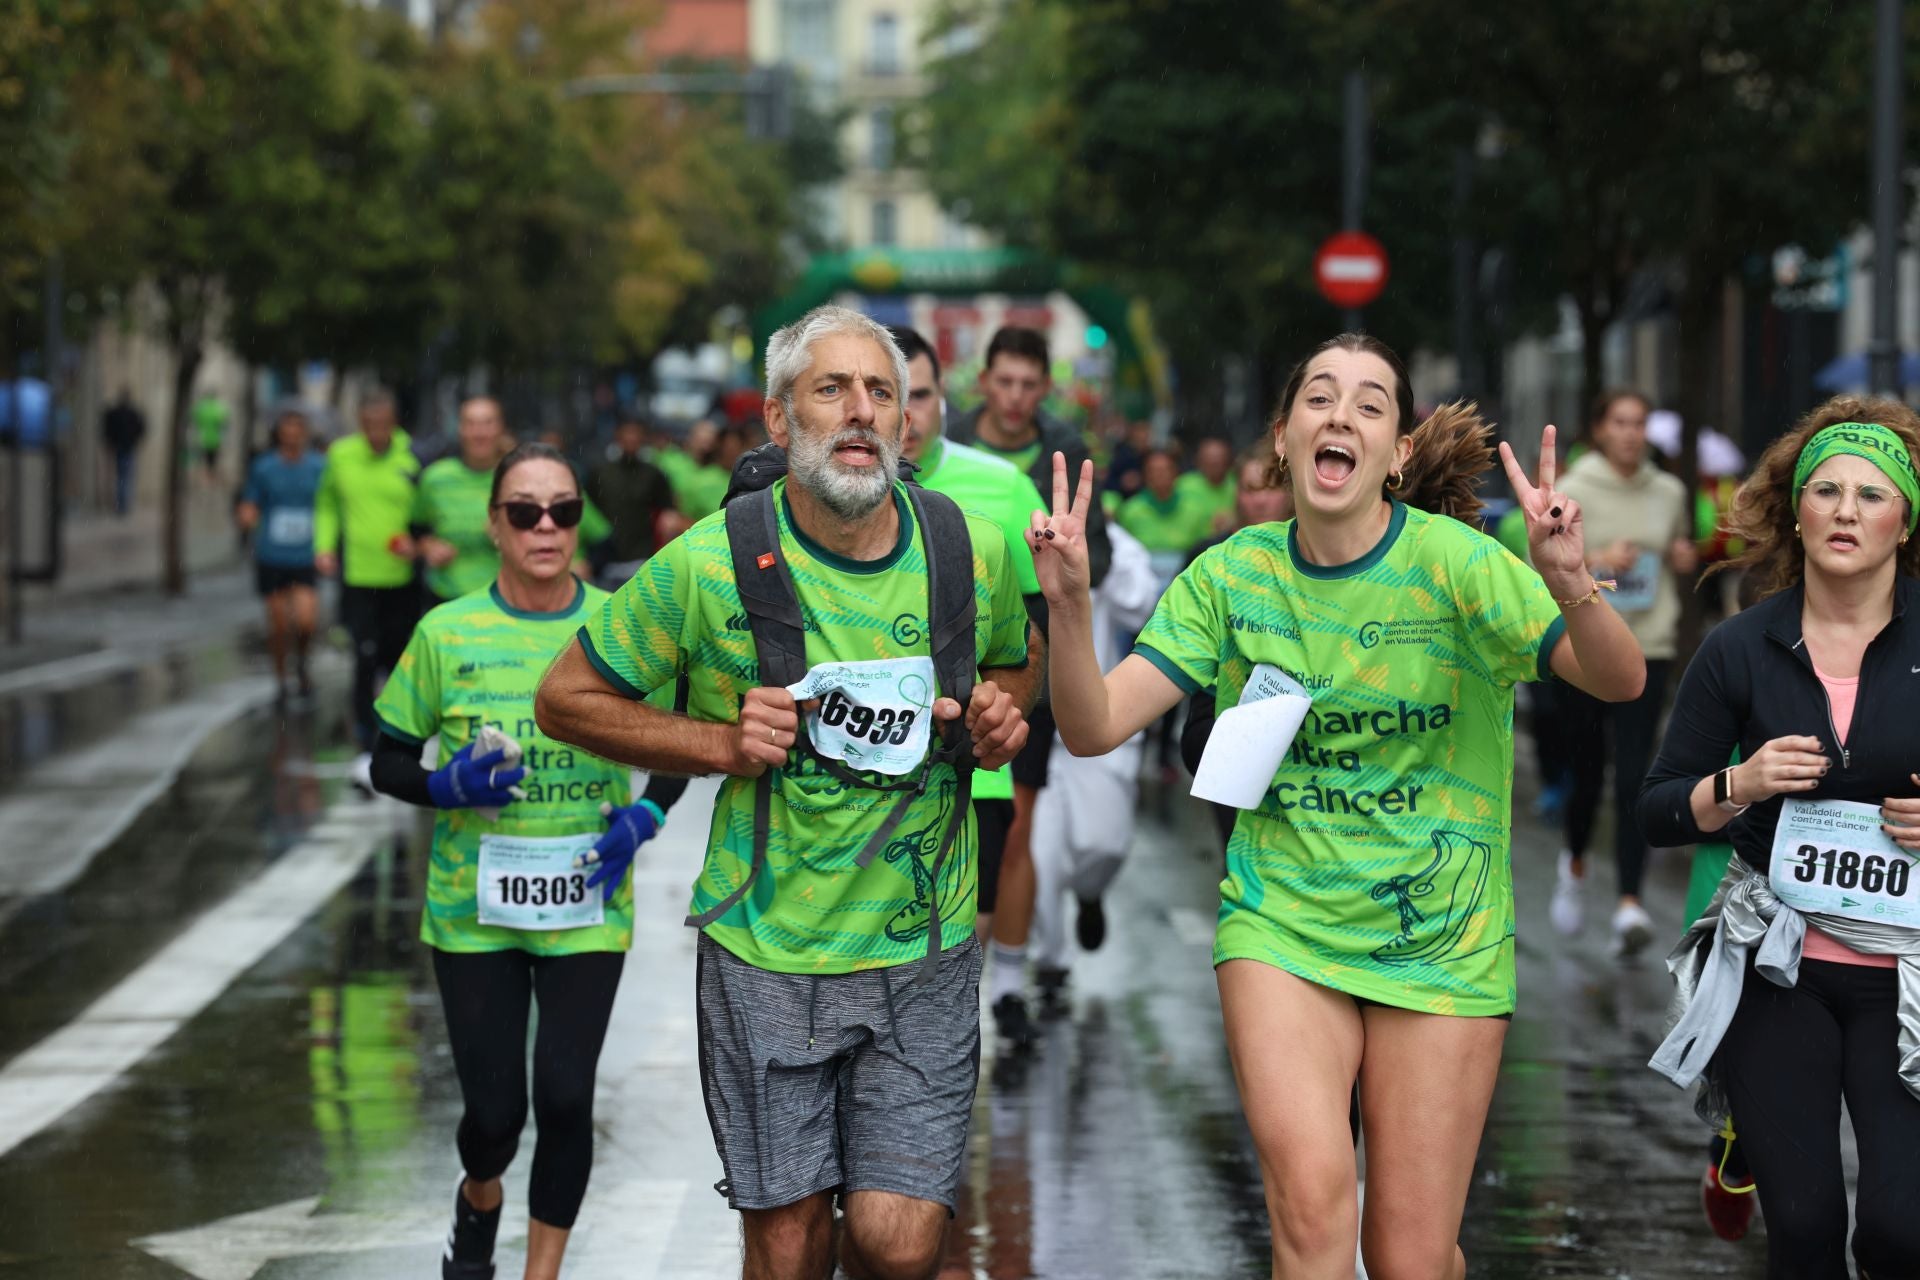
[{"x": 850, "y": 1082}]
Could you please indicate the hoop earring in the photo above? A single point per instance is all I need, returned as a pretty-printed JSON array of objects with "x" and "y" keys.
[
  {"x": 1283, "y": 477},
  {"x": 1396, "y": 481},
  {"x": 1796, "y": 528}
]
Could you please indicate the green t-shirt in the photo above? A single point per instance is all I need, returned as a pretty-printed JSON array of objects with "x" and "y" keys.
[
  {"x": 1024, "y": 457},
  {"x": 698, "y": 491},
  {"x": 675, "y": 463},
  {"x": 1378, "y": 862},
  {"x": 452, "y": 503},
  {"x": 1192, "y": 489},
  {"x": 1176, "y": 525},
  {"x": 477, "y": 661},
  {"x": 365, "y": 501},
  {"x": 988, "y": 486},
  {"x": 811, "y": 910},
  {"x": 210, "y": 418}
]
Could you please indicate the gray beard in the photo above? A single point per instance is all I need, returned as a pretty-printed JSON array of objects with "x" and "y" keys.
[{"x": 851, "y": 494}]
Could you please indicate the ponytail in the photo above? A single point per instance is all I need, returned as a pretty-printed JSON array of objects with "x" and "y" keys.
[{"x": 1451, "y": 450}]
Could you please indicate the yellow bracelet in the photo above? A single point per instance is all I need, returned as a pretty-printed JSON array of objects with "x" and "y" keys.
[{"x": 1592, "y": 597}]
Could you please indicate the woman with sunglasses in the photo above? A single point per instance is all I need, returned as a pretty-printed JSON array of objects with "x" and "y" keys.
[
  {"x": 528, "y": 897},
  {"x": 1800, "y": 985}
]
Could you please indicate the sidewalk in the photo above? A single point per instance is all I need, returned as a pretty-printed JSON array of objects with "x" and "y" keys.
[{"x": 109, "y": 595}]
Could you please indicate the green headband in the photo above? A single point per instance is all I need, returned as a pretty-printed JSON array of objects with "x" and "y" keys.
[{"x": 1869, "y": 440}]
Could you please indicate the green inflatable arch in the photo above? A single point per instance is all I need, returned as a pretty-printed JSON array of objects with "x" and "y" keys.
[{"x": 1140, "y": 370}]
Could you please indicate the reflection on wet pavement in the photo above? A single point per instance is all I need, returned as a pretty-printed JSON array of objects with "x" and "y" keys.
[{"x": 303, "y": 1125}]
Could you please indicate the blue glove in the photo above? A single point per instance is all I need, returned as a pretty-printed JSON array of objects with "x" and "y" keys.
[
  {"x": 466, "y": 783},
  {"x": 612, "y": 853}
]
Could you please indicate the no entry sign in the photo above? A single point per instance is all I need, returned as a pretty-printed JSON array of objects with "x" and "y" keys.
[{"x": 1351, "y": 269}]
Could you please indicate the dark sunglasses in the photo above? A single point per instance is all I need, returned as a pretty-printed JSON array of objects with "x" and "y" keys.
[{"x": 566, "y": 513}]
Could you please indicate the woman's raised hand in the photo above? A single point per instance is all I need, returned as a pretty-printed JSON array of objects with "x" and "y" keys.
[
  {"x": 1556, "y": 537},
  {"x": 1059, "y": 540}
]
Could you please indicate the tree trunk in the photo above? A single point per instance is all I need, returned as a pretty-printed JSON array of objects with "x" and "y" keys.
[
  {"x": 186, "y": 368},
  {"x": 1700, "y": 317}
]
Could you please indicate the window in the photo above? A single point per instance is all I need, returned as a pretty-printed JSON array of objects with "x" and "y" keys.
[
  {"x": 880, "y": 138},
  {"x": 883, "y": 40},
  {"x": 885, "y": 233}
]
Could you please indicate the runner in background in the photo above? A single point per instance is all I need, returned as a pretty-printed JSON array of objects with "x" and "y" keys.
[
  {"x": 1794, "y": 990},
  {"x": 1366, "y": 927},
  {"x": 528, "y": 895},
  {"x": 1210, "y": 486},
  {"x": 210, "y": 418},
  {"x": 992, "y": 487},
  {"x": 450, "y": 515},
  {"x": 1012, "y": 424},
  {"x": 1640, "y": 534},
  {"x": 635, "y": 495},
  {"x": 1083, "y": 820},
  {"x": 276, "y": 507},
  {"x": 361, "y": 520},
  {"x": 1168, "y": 522}
]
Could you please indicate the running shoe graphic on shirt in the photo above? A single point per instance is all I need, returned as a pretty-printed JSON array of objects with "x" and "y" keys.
[
  {"x": 913, "y": 855},
  {"x": 1459, "y": 871}
]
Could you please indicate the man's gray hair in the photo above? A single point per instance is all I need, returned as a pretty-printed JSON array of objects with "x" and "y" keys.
[{"x": 790, "y": 350}]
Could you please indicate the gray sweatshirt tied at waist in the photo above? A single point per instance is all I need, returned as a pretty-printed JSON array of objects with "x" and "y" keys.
[{"x": 1709, "y": 967}]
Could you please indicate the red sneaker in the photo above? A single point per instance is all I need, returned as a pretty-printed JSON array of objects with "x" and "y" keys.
[{"x": 1729, "y": 1212}]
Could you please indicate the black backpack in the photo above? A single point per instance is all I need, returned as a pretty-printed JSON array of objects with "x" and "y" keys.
[{"x": 779, "y": 638}]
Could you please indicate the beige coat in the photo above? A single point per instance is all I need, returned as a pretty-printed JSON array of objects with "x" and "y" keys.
[{"x": 1650, "y": 510}]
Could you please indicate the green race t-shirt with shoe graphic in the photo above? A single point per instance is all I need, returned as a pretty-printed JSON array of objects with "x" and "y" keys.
[
  {"x": 811, "y": 910},
  {"x": 992, "y": 487},
  {"x": 1378, "y": 863},
  {"x": 477, "y": 661}
]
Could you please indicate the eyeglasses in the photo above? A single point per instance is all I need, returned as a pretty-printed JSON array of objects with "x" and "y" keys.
[
  {"x": 1872, "y": 501},
  {"x": 566, "y": 513}
]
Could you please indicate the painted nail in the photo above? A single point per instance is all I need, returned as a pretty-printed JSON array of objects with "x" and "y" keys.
[
  {"x": 1555, "y": 513},
  {"x": 1049, "y": 535},
  {"x": 1556, "y": 528}
]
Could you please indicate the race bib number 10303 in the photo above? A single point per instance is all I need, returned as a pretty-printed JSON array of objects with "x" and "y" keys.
[{"x": 530, "y": 882}]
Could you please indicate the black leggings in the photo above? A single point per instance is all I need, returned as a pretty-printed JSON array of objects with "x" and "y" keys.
[
  {"x": 486, "y": 996},
  {"x": 381, "y": 621},
  {"x": 1788, "y": 1058},
  {"x": 1632, "y": 726}
]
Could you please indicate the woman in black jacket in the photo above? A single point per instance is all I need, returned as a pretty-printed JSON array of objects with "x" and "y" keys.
[{"x": 1795, "y": 985}]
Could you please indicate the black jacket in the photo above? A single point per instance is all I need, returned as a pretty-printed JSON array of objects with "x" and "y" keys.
[
  {"x": 1055, "y": 437},
  {"x": 1751, "y": 682}
]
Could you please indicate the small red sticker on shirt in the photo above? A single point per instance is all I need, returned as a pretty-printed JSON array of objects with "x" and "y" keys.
[{"x": 765, "y": 561}]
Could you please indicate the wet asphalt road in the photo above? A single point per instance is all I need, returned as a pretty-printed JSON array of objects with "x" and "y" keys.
[{"x": 300, "y": 1125}]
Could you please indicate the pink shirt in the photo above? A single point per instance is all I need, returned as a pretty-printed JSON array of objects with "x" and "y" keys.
[{"x": 1818, "y": 946}]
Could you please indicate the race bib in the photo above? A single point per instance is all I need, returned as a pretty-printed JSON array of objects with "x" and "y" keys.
[
  {"x": 1831, "y": 856},
  {"x": 1635, "y": 589},
  {"x": 288, "y": 526},
  {"x": 529, "y": 882},
  {"x": 872, "y": 715}
]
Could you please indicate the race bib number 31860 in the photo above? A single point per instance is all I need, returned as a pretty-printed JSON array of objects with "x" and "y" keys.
[
  {"x": 529, "y": 882},
  {"x": 872, "y": 715},
  {"x": 1831, "y": 856}
]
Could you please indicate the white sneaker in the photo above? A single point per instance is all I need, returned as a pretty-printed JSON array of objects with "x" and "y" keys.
[
  {"x": 1568, "y": 910},
  {"x": 360, "y": 772},
  {"x": 1632, "y": 930}
]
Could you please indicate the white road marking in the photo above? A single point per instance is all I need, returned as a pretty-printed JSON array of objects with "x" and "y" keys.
[
  {"x": 183, "y": 978},
  {"x": 64, "y": 673},
  {"x": 61, "y": 813}
]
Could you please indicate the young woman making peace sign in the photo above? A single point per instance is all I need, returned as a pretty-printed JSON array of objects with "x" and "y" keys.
[{"x": 1367, "y": 923}]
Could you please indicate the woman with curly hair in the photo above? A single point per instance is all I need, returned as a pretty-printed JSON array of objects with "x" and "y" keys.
[
  {"x": 1815, "y": 686},
  {"x": 1366, "y": 923}
]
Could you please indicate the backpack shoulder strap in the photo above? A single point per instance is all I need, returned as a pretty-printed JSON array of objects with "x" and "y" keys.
[
  {"x": 951, "y": 609},
  {"x": 766, "y": 588}
]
